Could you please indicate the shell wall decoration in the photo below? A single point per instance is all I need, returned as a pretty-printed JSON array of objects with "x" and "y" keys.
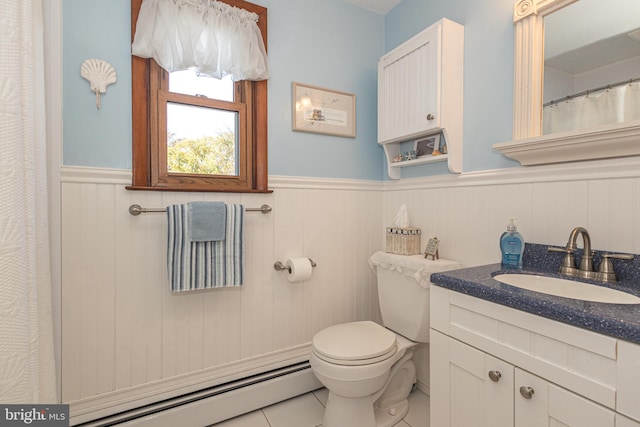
[{"x": 100, "y": 74}]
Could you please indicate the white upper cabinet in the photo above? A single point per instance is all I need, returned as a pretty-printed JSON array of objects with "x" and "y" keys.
[
  {"x": 420, "y": 93},
  {"x": 407, "y": 87}
]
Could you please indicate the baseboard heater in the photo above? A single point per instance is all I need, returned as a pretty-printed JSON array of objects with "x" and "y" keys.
[{"x": 219, "y": 403}]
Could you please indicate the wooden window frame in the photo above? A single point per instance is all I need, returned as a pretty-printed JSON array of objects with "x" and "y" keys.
[{"x": 149, "y": 86}]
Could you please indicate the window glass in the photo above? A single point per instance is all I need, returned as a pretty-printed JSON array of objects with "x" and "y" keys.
[{"x": 201, "y": 140}]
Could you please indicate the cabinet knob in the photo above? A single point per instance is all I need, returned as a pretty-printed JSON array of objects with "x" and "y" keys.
[
  {"x": 526, "y": 392},
  {"x": 495, "y": 376},
  {"x": 430, "y": 116}
]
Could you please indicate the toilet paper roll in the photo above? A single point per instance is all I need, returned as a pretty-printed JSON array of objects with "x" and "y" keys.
[{"x": 301, "y": 269}]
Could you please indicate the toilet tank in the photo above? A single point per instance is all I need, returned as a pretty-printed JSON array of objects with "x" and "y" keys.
[{"x": 403, "y": 291}]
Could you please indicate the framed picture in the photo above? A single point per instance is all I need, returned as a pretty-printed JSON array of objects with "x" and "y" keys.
[
  {"x": 325, "y": 111},
  {"x": 426, "y": 146}
]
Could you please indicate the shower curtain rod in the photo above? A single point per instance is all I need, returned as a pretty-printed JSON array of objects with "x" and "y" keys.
[
  {"x": 587, "y": 92},
  {"x": 137, "y": 209}
]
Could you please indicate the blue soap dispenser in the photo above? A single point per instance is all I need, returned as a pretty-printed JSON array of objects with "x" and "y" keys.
[{"x": 512, "y": 247}]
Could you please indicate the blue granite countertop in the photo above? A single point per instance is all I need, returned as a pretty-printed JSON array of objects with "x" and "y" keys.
[{"x": 616, "y": 320}]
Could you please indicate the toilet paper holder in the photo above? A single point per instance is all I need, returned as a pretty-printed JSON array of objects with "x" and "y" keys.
[{"x": 279, "y": 265}]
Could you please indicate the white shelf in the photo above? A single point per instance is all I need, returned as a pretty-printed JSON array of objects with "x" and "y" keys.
[
  {"x": 617, "y": 140},
  {"x": 394, "y": 169},
  {"x": 420, "y": 161}
]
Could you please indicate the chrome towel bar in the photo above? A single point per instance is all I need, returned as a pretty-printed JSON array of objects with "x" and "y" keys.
[{"x": 137, "y": 209}]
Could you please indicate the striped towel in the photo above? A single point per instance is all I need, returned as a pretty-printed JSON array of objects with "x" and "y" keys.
[{"x": 204, "y": 265}]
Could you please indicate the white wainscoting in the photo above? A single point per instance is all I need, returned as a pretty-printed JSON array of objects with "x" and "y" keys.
[
  {"x": 469, "y": 212},
  {"x": 127, "y": 340}
]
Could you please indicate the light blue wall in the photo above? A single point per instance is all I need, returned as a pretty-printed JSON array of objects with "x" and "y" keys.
[
  {"x": 92, "y": 137},
  {"x": 488, "y": 72},
  {"x": 328, "y": 43},
  {"x": 331, "y": 44}
]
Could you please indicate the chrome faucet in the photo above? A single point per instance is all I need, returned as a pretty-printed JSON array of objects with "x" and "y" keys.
[
  {"x": 586, "y": 270},
  {"x": 568, "y": 266},
  {"x": 586, "y": 262}
]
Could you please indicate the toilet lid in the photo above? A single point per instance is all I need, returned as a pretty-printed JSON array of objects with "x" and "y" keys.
[{"x": 355, "y": 343}]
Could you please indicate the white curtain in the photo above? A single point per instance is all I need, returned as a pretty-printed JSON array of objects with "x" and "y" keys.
[
  {"x": 27, "y": 368},
  {"x": 213, "y": 37},
  {"x": 615, "y": 105}
]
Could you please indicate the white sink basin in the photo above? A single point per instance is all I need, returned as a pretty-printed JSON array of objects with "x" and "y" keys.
[{"x": 567, "y": 288}]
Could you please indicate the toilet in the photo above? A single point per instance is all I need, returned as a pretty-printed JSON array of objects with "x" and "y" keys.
[{"x": 367, "y": 368}]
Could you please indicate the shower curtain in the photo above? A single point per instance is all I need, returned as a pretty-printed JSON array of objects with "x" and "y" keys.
[
  {"x": 27, "y": 368},
  {"x": 615, "y": 105}
]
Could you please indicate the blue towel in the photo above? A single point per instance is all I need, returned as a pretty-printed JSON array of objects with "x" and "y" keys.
[
  {"x": 204, "y": 265},
  {"x": 207, "y": 221}
]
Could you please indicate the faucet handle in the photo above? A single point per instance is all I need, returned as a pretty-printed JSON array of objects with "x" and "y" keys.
[
  {"x": 555, "y": 249},
  {"x": 605, "y": 271},
  {"x": 568, "y": 263},
  {"x": 563, "y": 250}
]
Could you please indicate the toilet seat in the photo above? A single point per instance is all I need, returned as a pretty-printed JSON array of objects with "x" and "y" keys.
[{"x": 355, "y": 343}]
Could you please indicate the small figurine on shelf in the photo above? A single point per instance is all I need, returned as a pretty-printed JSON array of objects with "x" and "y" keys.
[{"x": 432, "y": 249}]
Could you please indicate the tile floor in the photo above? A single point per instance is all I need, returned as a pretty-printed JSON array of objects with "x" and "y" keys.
[{"x": 307, "y": 410}]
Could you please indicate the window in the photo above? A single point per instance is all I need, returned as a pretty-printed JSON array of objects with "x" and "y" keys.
[{"x": 196, "y": 133}]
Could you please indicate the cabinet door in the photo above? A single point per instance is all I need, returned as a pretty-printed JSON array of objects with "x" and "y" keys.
[
  {"x": 539, "y": 403},
  {"x": 628, "y": 379},
  {"x": 469, "y": 388},
  {"x": 407, "y": 88}
]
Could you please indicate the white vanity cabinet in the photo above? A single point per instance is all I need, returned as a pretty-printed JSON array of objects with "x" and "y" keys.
[
  {"x": 420, "y": 92},
  {"x": 477, "y": 389},
  {"x": 495, "y": 366}
]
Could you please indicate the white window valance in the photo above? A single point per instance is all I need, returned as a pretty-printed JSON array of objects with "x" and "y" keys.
[{"x": 213, "y": 37}]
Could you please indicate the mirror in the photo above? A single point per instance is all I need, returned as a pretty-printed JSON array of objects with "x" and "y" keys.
[
  {"x": 529, "y": 146},
  {"x": 591, "y": 65}
]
